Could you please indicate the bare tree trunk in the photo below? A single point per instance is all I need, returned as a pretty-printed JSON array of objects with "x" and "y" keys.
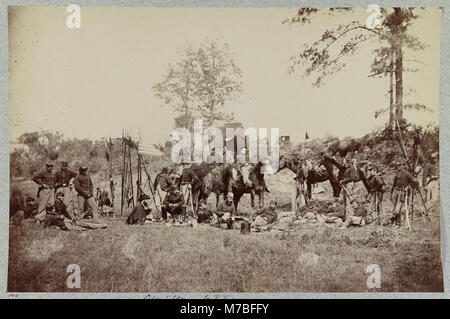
[
  {"x": 398, "y": 68},
  {"x": 391, "y": 93}
]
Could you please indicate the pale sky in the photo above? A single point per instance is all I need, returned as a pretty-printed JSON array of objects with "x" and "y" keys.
[{"x": 94, "y": 81}]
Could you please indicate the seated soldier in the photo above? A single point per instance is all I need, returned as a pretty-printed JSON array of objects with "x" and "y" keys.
[
  {"x": 225, "y": 210},
  {"x": 55, "y": 213},
  {"x": 19, "y": 213},
  {"x": 266, "y": 216},
  {"x": 61, "y": 208},
  {"x": 204, "y": 213},
  {"x": 174, "y": 205},
  {"x": 140, "y": 211},
  {"x": 31, "y": 208},
  {"x": 164, "y": 180}
]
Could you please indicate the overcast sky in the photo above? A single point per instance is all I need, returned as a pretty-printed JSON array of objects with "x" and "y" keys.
[{"x": 93, "y": 81}]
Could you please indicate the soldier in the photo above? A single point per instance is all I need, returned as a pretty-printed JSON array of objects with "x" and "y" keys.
[
  {"x": 204, "y": 212},
  {"x": 85, "y": 189},
  {"x": 266, "y": 215},
  {"x": 173, "y": 204},
  {"x": 63, "y": 183},
  {"x": 140, "y": 211},
  {"x": 430, "y": 176},
  {"x": 31, "y": 207},
  {"x": 399, "y": 192},
  {"x": 376, "y": 189},
  {"x": 53, "y": 219},
  {"x": 162, "y": 184},
  {"x": 61, "y": 208},
  {"x": 226, "y": 210},
  {"x": 46, "y": 181}
]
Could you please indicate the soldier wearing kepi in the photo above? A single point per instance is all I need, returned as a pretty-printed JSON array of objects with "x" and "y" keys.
[
  {"x": 63, "y": 183},
  {"x": 140, "y": 211},
  {"x": 85, "y": 189},
  {"x": 46, "y": 181},
  {"x": 399, "y": 192},
  {"x": 174, "y": 204}
]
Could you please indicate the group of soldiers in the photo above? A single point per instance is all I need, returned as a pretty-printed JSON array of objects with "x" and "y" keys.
[
  {"x": 175, "y": 196},
  {"x": 55, "y": 197},
  {"x": 55, "y": 200},
  {"x": 405, "y": 184}
]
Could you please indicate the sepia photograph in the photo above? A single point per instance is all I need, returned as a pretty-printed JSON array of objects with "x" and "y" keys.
[{"x": 224, "y": 150}]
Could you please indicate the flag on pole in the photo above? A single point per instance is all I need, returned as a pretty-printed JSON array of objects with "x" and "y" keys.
[{"x": 306, "y": 136}]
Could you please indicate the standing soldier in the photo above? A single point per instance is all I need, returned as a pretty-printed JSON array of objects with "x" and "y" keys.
[
  {"x": 46, "y": 181},
  {"x": 376, "y": 190},
  {"x": 430, "y": 176},
  {"x": 399, "y": 192},
  {"x": 85, "y": 189},
  {"x": 63, "y": 183}
]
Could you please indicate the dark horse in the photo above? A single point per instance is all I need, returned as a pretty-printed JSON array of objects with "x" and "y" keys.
[
  {"x": 255, "y": 185},
  {"x": 195, "y": 176},
  {"x": 304, "y": 172},
  {"x": 221, "y": 180},
  {"x": 345, "y": 174},
  {"x": 340, "y": 174}
]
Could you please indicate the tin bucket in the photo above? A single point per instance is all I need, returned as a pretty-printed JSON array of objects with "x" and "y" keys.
[{"x": 245, "y": 228}]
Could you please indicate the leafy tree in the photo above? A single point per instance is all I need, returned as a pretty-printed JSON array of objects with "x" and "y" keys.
[
  {"x": 326, "y": 55},
  {"x": 200, "y": 84}
]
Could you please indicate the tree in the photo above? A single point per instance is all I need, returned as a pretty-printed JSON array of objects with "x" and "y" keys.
[
  {"x": 199, "y": 85},
  {"x": 392, "y": 40}
]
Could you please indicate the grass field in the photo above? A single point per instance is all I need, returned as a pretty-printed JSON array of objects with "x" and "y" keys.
[{"x": 156, "y": 258}]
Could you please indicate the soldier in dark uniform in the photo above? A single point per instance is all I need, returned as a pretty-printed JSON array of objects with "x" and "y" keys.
[
  {"x": 46, "y": 181},
  {"x": 85, "y": 189},
  {"x": 174, "y": 204},
  {"x": 377, "y": 187},
  {"x": 140, "y": 211},
  {"x": 55, "y": 213},
  {"x": 399, "y": 192},
  {"x": 63, "y": 179},
  {"x": 204, "y": 213}
]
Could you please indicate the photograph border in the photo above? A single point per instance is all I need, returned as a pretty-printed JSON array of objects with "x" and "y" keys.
[{"x": 444, "y": 142}]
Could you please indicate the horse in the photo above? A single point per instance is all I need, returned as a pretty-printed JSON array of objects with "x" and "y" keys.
[
  {"x": 304, "y": 172},
  {"x": 345, "y": 175},
  {"x": 220, "y": 180},
  {"x": 253, "y": 183},
  {"x": 195, "y": 176}
]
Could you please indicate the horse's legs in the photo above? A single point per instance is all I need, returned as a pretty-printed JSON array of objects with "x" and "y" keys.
[
  {"x": 261, "y": 199},
  {"x": 252, "y": 198},
  {"x": 309, "y": 194},
  {"x": 217, "y": 200},
  {"x": 305, "y": 195},
  {"x": 237, "y": 198}
]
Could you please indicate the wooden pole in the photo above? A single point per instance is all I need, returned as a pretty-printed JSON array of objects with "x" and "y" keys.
[
  {"x": 149, "y": 179},
  {"x": 138, "y": 182},
  {"x": 123, "y": 176},
  {"x": 407, "y": 212},
  {"x": 131, "y": 172}
]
